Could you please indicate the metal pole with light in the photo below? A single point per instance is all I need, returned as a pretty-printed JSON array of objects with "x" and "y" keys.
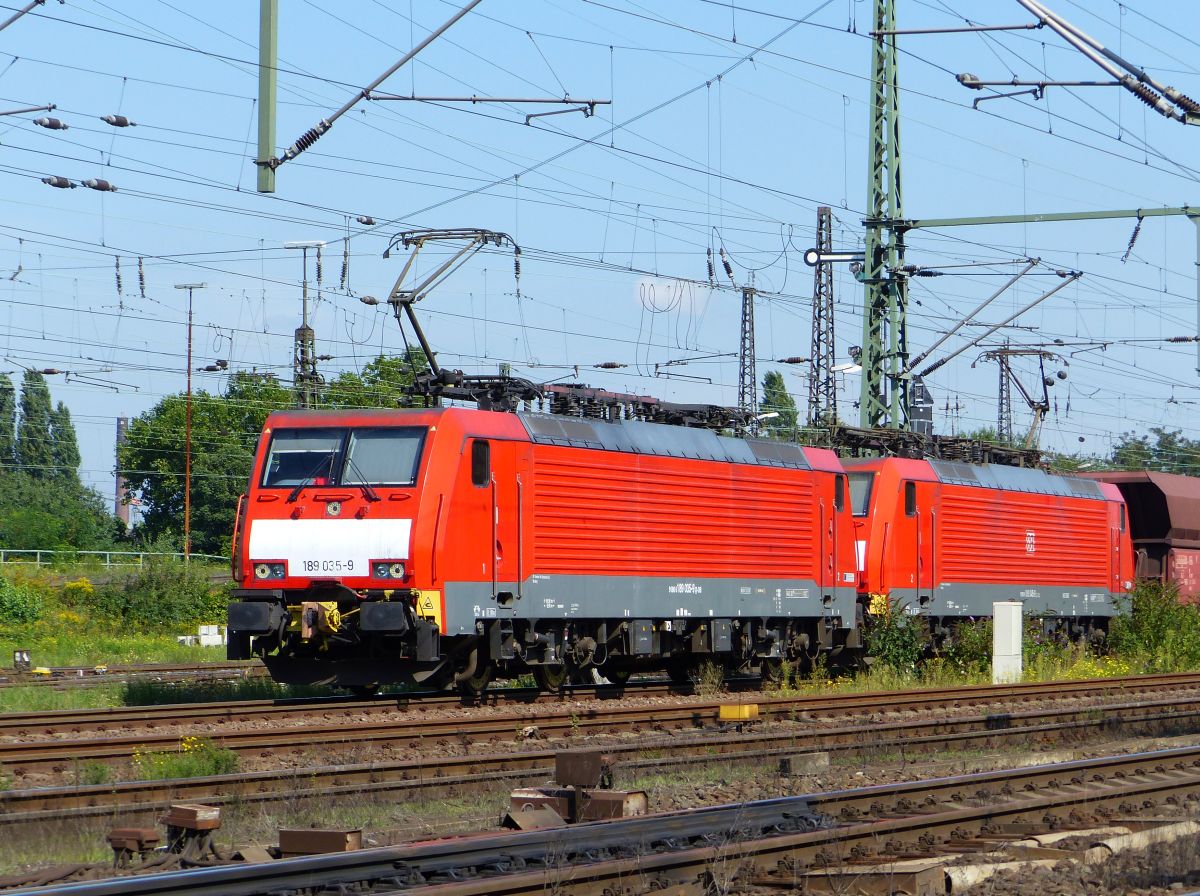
[{"x": 187, "y": 431}]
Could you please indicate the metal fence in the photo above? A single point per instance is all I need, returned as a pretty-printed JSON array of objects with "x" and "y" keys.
[{"x": 104, "y": 558}]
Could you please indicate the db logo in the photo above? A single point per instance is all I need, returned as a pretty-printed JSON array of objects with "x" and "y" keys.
[{"x": 1030, "y": 541}]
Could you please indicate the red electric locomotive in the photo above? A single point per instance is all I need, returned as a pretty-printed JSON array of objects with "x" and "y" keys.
[
  {"x": 446, "y": 544},
  {"x": 945, "y": 540}
]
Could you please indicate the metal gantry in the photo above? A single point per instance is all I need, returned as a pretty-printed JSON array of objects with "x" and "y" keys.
[
  {"x": 1039, "y": 406},
  {"x": 1004, "y": 430},
  {"x": 822, "y": 390},
  {"x": 305, "y": 379},
  {"x": 747, "y": 382},
  {"x": 883, "y": 401}
]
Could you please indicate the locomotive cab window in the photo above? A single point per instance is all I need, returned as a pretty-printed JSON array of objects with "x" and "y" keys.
[
  {"x": 839, "y": 493},
  {"x": 910, "y": 499},
  {"x": 1121, "y": 516},
  {"x": 337, "y": 456},
  {"x": 301, "y": 455},
  {"x": 860, "y": 492},
  {"x": 481, "y": 462},
  {"x": 383, "y": 456}
]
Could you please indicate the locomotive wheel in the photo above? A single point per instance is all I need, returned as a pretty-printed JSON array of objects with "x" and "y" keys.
[
  {"x": 617, "y": 677},
  {"x": 475, "y": 684},
  {"x": 682, "y": 671},
  {"x": 473, "y": 677},
  {"x": 364, "y": 690},
  {"x": 550, "y": 677},
  {"x": 773, "y": 671}
]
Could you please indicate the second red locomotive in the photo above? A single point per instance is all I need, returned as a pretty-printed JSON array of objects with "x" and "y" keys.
[{"x": 945, "y": 540}]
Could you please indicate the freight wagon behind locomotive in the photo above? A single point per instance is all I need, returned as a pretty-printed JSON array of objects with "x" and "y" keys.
[
  {"x": 945, "y": 540},
  {"x": 443, "y": 545},
  {"x": 1164, "y": 522}
]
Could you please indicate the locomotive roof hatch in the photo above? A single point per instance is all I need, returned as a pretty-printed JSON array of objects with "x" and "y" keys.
[{"x": 1017, "y": 479}]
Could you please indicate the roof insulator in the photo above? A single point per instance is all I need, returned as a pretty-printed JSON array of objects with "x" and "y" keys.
[
  {"x": 118, "y": 121},
  {"x": 51, "y": 124}
]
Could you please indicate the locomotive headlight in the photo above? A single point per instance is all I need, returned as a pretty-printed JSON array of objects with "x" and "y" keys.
[
  {"x": 270, "y": 571},
  {"x": 387, "y": 569}
]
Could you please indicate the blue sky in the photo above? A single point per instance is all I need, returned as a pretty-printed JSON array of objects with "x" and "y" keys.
[{"x": 729, "y": 125}]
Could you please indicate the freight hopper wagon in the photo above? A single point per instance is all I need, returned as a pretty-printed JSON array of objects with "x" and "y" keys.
[
  {"x": 441, "y": 546},
  {"x": 1164, "y": 521},
  {"x": 945, "y": 540}
]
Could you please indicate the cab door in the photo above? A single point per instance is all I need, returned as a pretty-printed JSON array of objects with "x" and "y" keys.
[
  {"x": 506, "y": 493},
  {"x": 916, "y": 543}
]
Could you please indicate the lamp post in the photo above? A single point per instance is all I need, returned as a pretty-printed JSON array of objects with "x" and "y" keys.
[{"x": 187, "y": 432}]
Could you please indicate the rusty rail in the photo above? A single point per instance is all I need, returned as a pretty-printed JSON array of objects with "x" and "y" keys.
[
  {"x": 687, "y": 852},
  {"x": 421, "y": 778}
]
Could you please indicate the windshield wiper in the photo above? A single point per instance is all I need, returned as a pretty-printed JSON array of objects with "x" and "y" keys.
[
  {"x": 369, "y": 493},
  {"x": 306, "y": 481}
]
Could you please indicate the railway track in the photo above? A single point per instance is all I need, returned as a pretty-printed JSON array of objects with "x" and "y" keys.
[
  {"x": 420, "y": 778},
  {"x": 839, "y": 835},
  {"x": 95, "y": 675},
  {"x": 64, "y": 723}
]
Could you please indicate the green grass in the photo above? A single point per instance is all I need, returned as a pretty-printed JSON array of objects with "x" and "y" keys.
[
  {"x": 153, "y": 693},
  {"x": 44, "y": 698},
  {"x": 196, "y": 757},
  {"x": 96, "y": 644}
]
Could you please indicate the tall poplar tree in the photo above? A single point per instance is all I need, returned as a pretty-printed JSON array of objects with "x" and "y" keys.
[
  {"x": 8, "y": 420},
  {"x": 777, "y": 400},
  {"x": 64, "y": 444},
  {"x": 35, "y": 446}
]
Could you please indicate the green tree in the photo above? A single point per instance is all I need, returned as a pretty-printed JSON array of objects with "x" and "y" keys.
[
  {"x": 382, "y": 384},
  {"x": 1163, "y": 450},
  {"x": 39, "y": 513},
  {"x": 225, "y": 431},
  {"x": 64, "y": 445},
  {"x": 777, "y": 400},
  {"x": 34, "y": 445},
  {"x": 8, "y": 420},
  {"x": 983, "y": 434}
]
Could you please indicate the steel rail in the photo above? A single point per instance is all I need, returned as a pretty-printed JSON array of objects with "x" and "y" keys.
[
  {"x": 98, "y": 674},
  {"x": 134, "y": 717},
  {"x": 61, "y": 754},
  {"x": 421, "y": 778},
  {"x": 680, "y": 851}
]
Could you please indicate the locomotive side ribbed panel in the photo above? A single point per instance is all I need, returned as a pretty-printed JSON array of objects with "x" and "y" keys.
[
  {"x": 986, "y": 535},
  {"x": 638, "y": 515}
]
